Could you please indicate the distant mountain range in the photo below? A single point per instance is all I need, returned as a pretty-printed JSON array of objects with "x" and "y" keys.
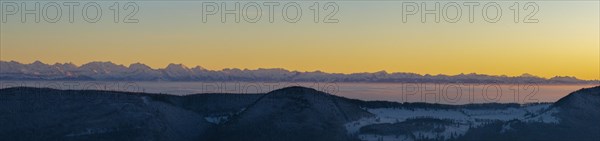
[
  {"x": 108, "y": 71},
  {"x": 290, "y": 114}
]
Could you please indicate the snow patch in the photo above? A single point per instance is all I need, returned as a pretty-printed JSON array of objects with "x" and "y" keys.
[
  {"x": 216, "y": 119},
  {"x": 463, "y": 119}
]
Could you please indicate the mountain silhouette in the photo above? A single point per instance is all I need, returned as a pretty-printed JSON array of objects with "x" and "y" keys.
[
  {"x": 108, "y": 71},
  {"x": 293, "y": 113}
]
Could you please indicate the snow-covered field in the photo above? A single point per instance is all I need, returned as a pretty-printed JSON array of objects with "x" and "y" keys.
[{"x": 463, "y": 119}]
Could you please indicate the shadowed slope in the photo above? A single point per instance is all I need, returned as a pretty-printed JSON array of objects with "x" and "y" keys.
[{"x": 293, "y": 113}]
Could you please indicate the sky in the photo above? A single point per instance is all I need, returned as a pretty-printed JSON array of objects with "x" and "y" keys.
[{"x": 368, "y": 37}]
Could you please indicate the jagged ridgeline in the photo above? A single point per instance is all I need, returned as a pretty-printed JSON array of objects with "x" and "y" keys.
[
  {"x": 108, "y": 71},
  {"x": 290, "y": 114}
]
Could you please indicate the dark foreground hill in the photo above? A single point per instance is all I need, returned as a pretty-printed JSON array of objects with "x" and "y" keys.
[
  {"x": 577, "y": 117},
  {"x": 293, "y": 113}
]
